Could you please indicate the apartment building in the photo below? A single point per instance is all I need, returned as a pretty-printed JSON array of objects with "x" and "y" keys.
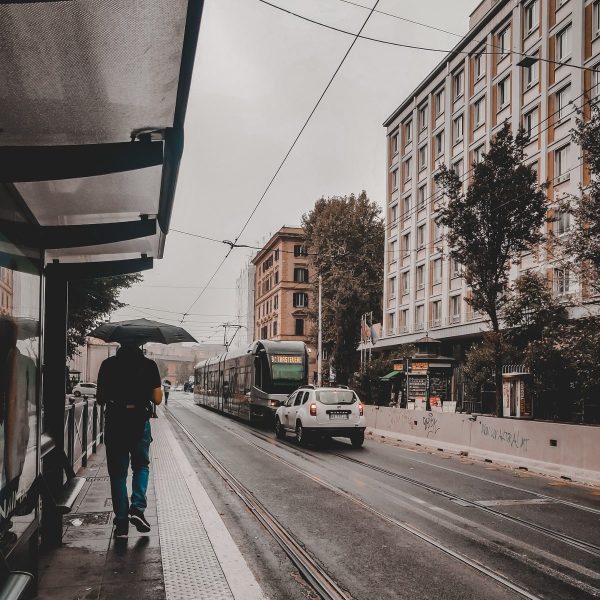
[
  {"x": 244, "y": 306},
  {"x": 282, "y": 291},
  {"x": 505, "y": 69}
]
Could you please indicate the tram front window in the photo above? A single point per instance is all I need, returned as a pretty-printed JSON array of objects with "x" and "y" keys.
[{"x": 287, "y": 373}]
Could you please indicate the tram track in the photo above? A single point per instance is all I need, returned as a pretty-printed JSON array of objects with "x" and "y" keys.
[{"x": 308, "y": 567}]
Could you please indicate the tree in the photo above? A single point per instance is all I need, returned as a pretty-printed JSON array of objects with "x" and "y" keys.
[
  {"x": 345, "y": 237},
  {"x": 583, "y": 242},
  {"x": 89, "y": 302},
  {"x": 491, "y": 224}
]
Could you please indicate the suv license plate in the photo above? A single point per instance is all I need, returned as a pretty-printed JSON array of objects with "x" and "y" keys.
[{"x": 339, "y": 416}]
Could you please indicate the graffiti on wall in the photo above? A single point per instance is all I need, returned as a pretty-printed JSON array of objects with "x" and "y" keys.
[
  {"x": 430, "y": 423},
  {"x": 513, "y": 438}
]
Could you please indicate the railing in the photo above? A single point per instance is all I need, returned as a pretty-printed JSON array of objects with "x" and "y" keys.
[{"x": 83, "y": 430}]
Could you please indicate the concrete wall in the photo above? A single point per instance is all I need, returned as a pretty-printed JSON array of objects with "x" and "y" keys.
[{"x": 551, "y": 448}]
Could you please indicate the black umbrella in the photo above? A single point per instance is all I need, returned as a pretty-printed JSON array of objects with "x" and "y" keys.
[{"x": 141, "y": 331}]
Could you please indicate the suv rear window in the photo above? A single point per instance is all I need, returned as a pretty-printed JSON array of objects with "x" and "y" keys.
[{"x": 336, "y": 397}]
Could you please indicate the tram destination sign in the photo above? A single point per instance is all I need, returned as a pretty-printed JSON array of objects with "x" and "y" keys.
[{"x": 286, "y": 359}]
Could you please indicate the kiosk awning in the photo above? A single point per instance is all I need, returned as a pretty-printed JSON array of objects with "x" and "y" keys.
[
  {"x": 391, "y": 376},
  {"x": 94, "y": 96}
]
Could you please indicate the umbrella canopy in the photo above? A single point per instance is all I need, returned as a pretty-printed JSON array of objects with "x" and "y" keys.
[{"x": 141, "y": 331}]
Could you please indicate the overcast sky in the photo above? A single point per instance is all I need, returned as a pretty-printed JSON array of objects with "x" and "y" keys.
[{"x": 258, "y": 73}]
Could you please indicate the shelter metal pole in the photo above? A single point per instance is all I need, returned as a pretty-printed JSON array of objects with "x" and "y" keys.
[
  {"x": 320, "y": 336},
  {"x": 54, "y": 397}
]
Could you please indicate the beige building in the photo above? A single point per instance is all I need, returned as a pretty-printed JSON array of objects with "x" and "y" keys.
[
  {"x": 282, "y": 290},
  {"x": 451, "y": 117}
]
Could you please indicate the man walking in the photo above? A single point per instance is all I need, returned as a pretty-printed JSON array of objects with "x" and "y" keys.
[{"x": 129, "y": 386}]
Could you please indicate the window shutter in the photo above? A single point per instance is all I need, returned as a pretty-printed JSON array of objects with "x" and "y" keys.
[
  {"x": 587, "y": 32},
  {"x": 552, "y": 56},
  {"x": 551, "y": 13},
  {"x": 551, "y": 115}
]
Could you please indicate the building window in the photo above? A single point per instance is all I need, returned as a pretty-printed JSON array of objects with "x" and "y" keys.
[
  {"x": 407, "y": 169},
  {"x": 276, "y": 255},
  {"x": 404, "y": 320},
  {"x": 436, "y": 313},
  {"x": 596, "y": 18},
  {"x": 478, "y": 154},
  {"x": 405, "y": 207},
  {"x": 562, "y": 222},
  {"x": 408, "y": 131},
  {"x": 455, "y": 309},
  {"x": 562, "y": 281},
  {"x": 439, "y": 143},
  {"x": 300, "y": 275},
  {"x": 503, "y": 93},
  {"x": 275, "y": 302},
  {"x": 419, "y": 314},
  {"x": 395, "y": 179},
  {"x": 561, "y": 159},
  {"x": 422, "y": 158},
  {"x": 439, "y": 103},
  {"x": 595, "y": 91},
  {"x": 421, "y": 197},
  {"x": 479, "y": 112},
  {"x": 563, "y": 43},
  {"x": 420, "y": 277},
  {"x": 531, "y": 73},
  {"x": 437, "y": 271},
  {"x": 458, "y": 168},
  {"x": 531, "y": 122},
  {"x": 394, "y": 144},
  {"x": 421, "y": 236},
  {"x": 391, "y": 324},
  {"x": 300, "y": 251},
  {"x": 264, "y": 332},
  {"x": 406, "y": 244},
  {"x": 531, "y": 16},
  {"x": 276, "y": 277},
  {"x": 437, "y": 230},
  {"x": 274, "y": 327},
  {"x": 458, "y": 84},
  {"x": 479, "y": 65},
  {"x": 457, "y": 127},
  {"x": 299, "y": 327},
  {"x": 503, "y": 43},
  {"x": 392, "y": 288},
  {"x": 300, "y": 300},
  {"x": 393, "y": 247},
  {"x": 423, "y": 118},
  {"x": 393, "y": 214},
  {"x": 562, "y": 103},
  {"x": 405, "y": 280},
  {"x": 454, "y": 268}
]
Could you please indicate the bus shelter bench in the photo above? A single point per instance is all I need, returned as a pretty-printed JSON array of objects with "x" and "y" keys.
[{"x": 15, "y": 585}]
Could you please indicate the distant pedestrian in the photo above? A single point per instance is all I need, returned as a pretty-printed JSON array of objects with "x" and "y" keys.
[
  {"x": 129, "y": 386},
  {"x": 167, "y": 389}
]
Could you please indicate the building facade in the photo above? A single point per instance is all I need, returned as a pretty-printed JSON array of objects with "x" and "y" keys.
[
  {"x": 282, "y": 291},
  {"x": 450, "y": 119}
]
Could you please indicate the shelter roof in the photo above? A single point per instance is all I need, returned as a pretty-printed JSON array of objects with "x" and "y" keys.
[{"x": 93, "y": 98}]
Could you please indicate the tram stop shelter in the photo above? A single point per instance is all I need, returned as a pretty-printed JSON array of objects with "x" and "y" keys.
[{"x": 93, "y": 97}]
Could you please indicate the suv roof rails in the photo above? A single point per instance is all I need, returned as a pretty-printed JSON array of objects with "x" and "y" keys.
[
  {"x": 309, "y": 386},
  {"x": 343, "y": 387}
]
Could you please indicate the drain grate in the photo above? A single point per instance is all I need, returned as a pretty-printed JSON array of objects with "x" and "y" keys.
[
  {"x": 101, "y": 478},
  {"x": 90, "y": 519}
]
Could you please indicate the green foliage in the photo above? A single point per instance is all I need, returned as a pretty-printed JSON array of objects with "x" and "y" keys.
[
  {"x": 583, "y": 242},
  {"x": 346, "y": 237},
  {"x": 491, "y": 224},
  {"x": 90, "y": 302}
]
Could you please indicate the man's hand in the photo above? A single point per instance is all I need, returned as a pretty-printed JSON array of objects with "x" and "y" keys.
[{"x": 157, "y": 395}]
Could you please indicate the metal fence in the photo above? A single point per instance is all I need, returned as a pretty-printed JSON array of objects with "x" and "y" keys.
[{"x": 83, "y": 430}]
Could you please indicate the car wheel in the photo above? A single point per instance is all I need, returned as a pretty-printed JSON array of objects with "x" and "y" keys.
[
  {"x": 279, "y": 430},
  {"x": 358, "y": 439},
  {"x": 77, "y": 394},
  {"x": 301, "y": 436}
]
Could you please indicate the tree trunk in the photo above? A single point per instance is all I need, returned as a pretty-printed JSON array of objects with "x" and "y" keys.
[{"x": 497, "y": 363}]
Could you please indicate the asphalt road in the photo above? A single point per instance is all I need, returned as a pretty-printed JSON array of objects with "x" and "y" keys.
[{"x": 392, "y": 521}]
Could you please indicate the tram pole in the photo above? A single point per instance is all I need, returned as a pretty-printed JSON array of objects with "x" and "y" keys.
[{"x": 320, "y": 333}]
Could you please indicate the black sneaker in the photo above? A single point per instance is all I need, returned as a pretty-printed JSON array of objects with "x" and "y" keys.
[
  {"x": 121, "y": 529},
  {"x": 137, "y": 519}
]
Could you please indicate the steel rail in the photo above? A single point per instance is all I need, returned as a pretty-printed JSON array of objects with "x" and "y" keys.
[
  {"x": 557, "y": 535},
  {"x": 248, "y": 498},
  {"x": 318, "y": 579}
]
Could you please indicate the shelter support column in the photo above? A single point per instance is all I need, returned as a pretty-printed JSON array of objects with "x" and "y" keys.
[{"x": 54, "y": 395}]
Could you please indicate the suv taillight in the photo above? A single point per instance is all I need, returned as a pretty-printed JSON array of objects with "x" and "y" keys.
[
  {"x": 360, "y": 409},
  {"x": 313, "y": 410}
]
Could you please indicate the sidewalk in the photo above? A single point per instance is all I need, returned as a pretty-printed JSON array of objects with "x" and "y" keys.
[{"x": 189, "y": 554}]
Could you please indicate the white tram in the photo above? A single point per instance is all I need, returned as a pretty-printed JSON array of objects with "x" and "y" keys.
[{"x": 250, "y": 384}]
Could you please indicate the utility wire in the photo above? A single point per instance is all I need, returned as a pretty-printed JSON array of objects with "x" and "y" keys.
[
  {"x": 272, "y": 180},
  {"x": 414, "y": 47}
]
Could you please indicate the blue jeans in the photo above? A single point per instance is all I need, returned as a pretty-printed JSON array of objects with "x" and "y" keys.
[{"x": 117, "y": 458}]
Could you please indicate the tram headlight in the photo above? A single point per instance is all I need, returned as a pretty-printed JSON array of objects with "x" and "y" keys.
[
  {"x": 274, "y": 402},
  {"x": 313, "y": 409}
]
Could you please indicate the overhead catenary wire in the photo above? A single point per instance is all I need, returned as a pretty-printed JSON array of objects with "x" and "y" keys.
[
  {"x": 424, "y": 48},
  {"x": 284, "y": 160}
]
